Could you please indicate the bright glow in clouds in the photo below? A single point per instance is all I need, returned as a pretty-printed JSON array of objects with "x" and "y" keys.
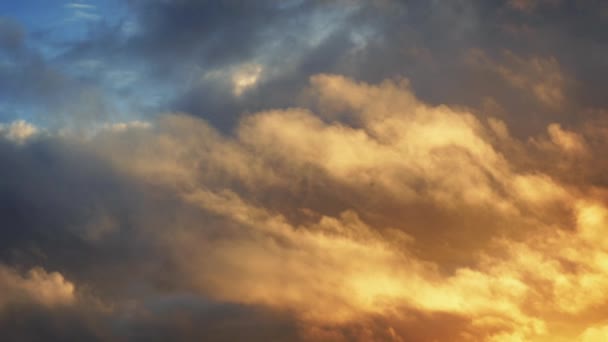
[
  {"x": 18, "y": 131},
  {"x": 245, "y": 77}
]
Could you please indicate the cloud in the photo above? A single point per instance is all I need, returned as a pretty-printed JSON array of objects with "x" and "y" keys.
[
  {"x": 18, "y": 131},
  {"x": 369, "y": 41},
  {"x": 245, "y": 78},
  {"x": 539, "y": 76},
  {"x": 334, "y": 268},
  {"x": 340, "y": 171},
  {"x": 83, "y": 11},
  {"x": 592, "y": 334},
  {"x": 337, "y": 215},
  {"x": 570, "y": 142},
  {"x": 86, "y": 15},
  {"x": 79, "y": 6},
  {"x": 38, "y": 286}
]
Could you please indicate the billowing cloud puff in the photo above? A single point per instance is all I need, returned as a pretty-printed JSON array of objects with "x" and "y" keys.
[{"x": 37, "y": 287}]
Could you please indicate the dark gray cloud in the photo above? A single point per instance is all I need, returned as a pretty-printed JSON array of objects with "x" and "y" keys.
[
  {"x": 426, "y": 42},
  {"x": 182, "y": 55},
  {"x": 185, "y": 318}
]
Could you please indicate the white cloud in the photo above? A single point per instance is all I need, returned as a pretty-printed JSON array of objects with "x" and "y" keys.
[
  {"x": 18, "y": 131},
  {"x": 81, "y": 11},
  {"x": 80, "y": 6},
  {"x": 245, "y": 77},
  {"x": 123, "y": 126}
]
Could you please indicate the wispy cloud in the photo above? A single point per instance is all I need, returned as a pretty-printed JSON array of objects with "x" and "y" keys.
[
  {"x": 82, "y": 11},
  {"x": 79, "y": 6},
  {"x": 86, "y": 15}
]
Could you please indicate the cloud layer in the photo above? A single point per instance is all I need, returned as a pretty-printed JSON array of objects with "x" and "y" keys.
[
  {"x": 306, "y": 171},
  {"x": 377, "y": 212}
]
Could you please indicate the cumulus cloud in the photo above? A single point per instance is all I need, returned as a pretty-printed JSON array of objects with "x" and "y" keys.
[{"x": 365, "y": 207}]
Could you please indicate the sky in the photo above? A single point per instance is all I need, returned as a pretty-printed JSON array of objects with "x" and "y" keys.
[{"x": 304, "y": 170}]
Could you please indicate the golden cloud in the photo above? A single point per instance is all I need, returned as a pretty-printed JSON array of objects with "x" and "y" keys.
[
  {"x": 379, "y": 205},
  {"x": 36, "y": 287}
]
